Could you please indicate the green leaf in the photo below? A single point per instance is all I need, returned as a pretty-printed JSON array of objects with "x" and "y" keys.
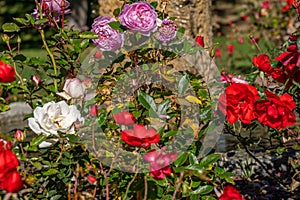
[
  {"x": 10, "y": 27},
  {"x": 181, "y": 159},
  {"x": 36, "y": 141},
  {"x": 146, "y": 100},
  {"x": 88, "y": 35},
  {"x": 50, "y": 172},
  {"x": 183, "y": 84},
  {"x": 22, "y": 21},
  {"x": 115, "y": 25},
  {"x": 41, "y": 21},
  {"x": 169, "y": 134},
  {"x": 154, "y": 4},
  {"x": 56, "y": 197},
  {"x": 117, "y": 12},
  {"x": 193, "y": 159},
  {"x": 30, "y": 18},
  {"x": 208, "y": 160},
  {"x": 203, "y": 190}
]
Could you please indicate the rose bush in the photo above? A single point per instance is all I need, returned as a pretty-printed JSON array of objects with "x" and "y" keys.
[{"x": 136, "y": 135}]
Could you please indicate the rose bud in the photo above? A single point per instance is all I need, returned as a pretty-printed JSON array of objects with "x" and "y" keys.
[
  {"x": 94, "y": 110},
  {"x": 92, "y": 179},
  {"x": 20, "y": 136},
  {"x": 98, "y": 54},
  {"x": 36, "y": 80},
  {"x": 74, "y": 88}
]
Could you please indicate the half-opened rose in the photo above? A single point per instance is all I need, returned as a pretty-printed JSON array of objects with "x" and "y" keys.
[
  {"x": 262, "y": 62},
  {"x": 139, "y": 17},
  {"x": 124, "y": 118},
  {"x": 140, "y": 136},
  {"x": 167, "y": 31},
  {"x": 109, "y": 38},
  {"x": 74, "y": 88},
  {"x": 276, "y": 111},
  {"x": 54, "y": 117},
  {"x": 231, "y": 193}
]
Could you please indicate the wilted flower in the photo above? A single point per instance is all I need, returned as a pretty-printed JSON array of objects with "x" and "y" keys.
[
  {"x": 53, "y": 118},
  {"x": 52, "y": 9},
  {"x": 109, "y": 38},
  {"x": 140, "y": 17},
  {"x": 167, "y": 31}
]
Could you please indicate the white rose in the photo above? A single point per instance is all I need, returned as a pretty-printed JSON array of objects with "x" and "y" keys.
[{"x": 54, "y": 117}]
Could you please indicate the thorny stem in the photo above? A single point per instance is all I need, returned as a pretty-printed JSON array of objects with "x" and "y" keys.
[
  {"x": 178, "y": 185},
  {"x": 274, "y": 177},
  {"x": 106, "y": 181},
  {"x": 127, "y": 189}
]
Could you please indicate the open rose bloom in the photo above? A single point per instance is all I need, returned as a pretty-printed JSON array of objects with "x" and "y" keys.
[
  {"x": 139, "y": 17},
  {"x": 109, "y": 39},
  {"x": 53, "y": 118}
]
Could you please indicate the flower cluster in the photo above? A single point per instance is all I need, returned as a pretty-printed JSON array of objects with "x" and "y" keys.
[
  {"x": 10, "y": 179},
  {"x": 51, "y": 10},
  {"x": 136, "y": 17},
  {"x": 140, "y": 136},
  {"x": 242, "y": 102}
]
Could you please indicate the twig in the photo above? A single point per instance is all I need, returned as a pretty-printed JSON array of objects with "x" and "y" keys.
[
  {"x": 146, "y": 187},
  {"x": 178, "y": 185},
  {"x": 127, "y": 189},
  {"x": 106, "y": 182}
]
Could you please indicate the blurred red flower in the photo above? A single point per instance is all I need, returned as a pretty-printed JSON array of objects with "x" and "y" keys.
[
  {"x": 276, "y": 111},
  {"x": 237, "y": 103},
  {"x": 231, "y": 193},
  {"x": 230, "y": 48},
  {"x": 7, "y": 73},
  {"x": 200, "y": 41},
  {"x": 124, "y": 118},
  {"x": 140, "y": 136}
]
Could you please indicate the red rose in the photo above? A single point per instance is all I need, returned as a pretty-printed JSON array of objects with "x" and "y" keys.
[
  {"x": 290, "y": 58},
  {"x": 140, "y": 136},
  {"x": 218, "y": 53},
  {"x": 279, "y": 75},
  {"x": 11, "y": 182},
  {"x": 7, "y": 73},
  {"x": 237, "y": 103},
  {"x": 231, "y": 193},
  {"x": 276, "y": 111},
  {"x": 159, "y": 163},
  {"x": 230, "y": 48},
  {"x": 200, "y": 41},
  {"x": 262, "y": 62},
  {"x": 124, "y": 118},
  {"x": 8, "y": 162}
]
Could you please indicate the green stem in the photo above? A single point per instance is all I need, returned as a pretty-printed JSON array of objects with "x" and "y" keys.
[{"x": 51, "y": 57}]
